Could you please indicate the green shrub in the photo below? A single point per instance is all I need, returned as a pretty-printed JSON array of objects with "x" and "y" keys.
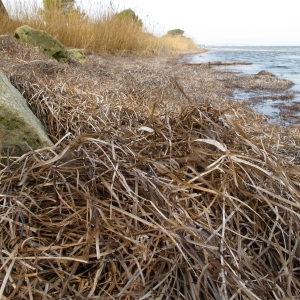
[
  {"x": 176, "y": 32},
  {"x": 64, "y": 6},
  {"x": 130, "y": 15}
]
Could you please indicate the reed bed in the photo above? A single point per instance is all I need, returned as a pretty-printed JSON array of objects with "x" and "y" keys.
[
  {"x": 157, "y": 187},
  {"x": 99, "y": 31}
]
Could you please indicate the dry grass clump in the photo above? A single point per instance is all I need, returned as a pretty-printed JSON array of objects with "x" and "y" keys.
[
  {"x": 287, "y": 95},
  {"x": 291, "y": 112},
  {"x": 153, "y": 189},
  {"x": 178, "y": 43},
  {"x": 219, "y": 63},
  {"x": 102, "y": 31},
  {"x": 263, "y": 83},
  {"x": 4, "y": 24}
]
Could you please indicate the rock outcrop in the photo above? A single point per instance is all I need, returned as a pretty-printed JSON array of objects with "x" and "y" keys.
[
  {"x": 49, "y": 45},
  {"x": 264, "y": 74},
  {"x": 20, "y": 129}
]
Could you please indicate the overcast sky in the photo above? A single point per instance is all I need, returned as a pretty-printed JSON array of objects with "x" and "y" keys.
[{"x": 215, "y": 22}]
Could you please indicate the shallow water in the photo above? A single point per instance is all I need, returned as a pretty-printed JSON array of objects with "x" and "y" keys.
[{"x": 284, "y": 62}]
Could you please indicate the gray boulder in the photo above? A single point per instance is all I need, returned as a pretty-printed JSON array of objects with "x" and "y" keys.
[{"x": 20, "y": 129}]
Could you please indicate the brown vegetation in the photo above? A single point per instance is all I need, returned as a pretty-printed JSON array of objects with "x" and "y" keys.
[
  {"x": 158, "y": 187},
  {"x": 263, "y": 83},
  {"x": 102, "y": 33},
  {"x": 219, "y": 63},
  {"x": 3, "y": 12}
]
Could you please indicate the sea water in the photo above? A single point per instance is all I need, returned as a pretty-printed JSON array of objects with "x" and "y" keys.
[{"x": 284, "y": 62}]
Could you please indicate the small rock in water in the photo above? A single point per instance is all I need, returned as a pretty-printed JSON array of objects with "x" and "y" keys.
[{"x": 264, "y": 74}]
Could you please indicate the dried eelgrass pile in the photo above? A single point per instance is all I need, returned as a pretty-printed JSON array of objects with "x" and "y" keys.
[
  {"x": 266, "y": 83},
  {"x": 167, "y": 210},
  {"x": 143, "y": 198}
]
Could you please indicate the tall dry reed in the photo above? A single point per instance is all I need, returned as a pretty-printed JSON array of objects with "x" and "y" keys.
[{"x": 102, "y": 32}]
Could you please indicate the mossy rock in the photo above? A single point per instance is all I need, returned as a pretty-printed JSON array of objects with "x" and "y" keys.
[
  {"x": 20, "y": 129},
  {"x": 39, "y": 38},
  {"x": 264, "y": 74},
  {"x": 77, "y": 55}
]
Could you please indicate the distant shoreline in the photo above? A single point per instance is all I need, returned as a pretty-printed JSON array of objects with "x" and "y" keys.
[{"x": 282, "y": 61}]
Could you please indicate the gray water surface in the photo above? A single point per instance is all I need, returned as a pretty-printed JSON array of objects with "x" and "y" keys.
[{"x": 284, "y": 62}]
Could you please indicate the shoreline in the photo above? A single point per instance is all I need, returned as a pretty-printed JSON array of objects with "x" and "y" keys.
[
  {"x": 281, "y": 106},
  {"x": 156, "y": 179},
  {"x": 200, "y": 82}
]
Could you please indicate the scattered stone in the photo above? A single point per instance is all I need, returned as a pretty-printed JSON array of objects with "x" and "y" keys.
[
  {"x": 39, "y": 38},
  {"x": 21, "y": 131}
]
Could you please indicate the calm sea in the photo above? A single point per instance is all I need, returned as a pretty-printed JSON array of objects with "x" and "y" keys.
[{"x": 284, "y": 62}]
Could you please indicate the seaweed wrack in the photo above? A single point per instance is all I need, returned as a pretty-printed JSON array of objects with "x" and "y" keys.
[
  {"x": 152, "y": 203},
  {"x": 158, "y": 186}
]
